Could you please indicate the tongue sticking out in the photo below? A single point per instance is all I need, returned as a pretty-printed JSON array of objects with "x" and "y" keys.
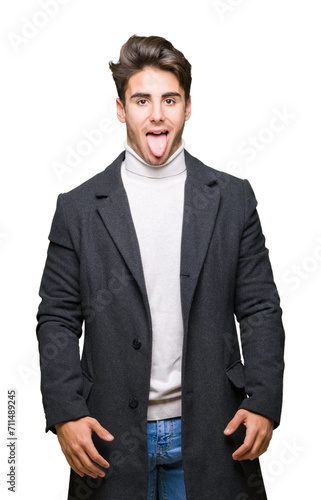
[{"x": 157, "y": 143}]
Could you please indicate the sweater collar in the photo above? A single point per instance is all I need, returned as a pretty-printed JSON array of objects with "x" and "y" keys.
[{"x": 173, "y": 166}]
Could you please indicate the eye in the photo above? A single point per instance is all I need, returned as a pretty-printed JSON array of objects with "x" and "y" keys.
[
  {"x": 169, "y": 101},
  {"x": 142, "y": 102}
]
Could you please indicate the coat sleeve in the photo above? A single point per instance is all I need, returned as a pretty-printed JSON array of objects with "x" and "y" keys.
[
  {"x": 59, "y": 328},
  {"x": 258, "y": 311}
]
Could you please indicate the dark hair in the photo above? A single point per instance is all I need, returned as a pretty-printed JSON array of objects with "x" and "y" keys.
[{"x": 153, "y": 51}]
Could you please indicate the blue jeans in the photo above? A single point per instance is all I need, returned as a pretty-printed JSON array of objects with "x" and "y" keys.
[{"x": 165, "y": 471}]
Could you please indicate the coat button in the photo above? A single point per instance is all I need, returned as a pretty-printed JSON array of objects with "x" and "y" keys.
[
  {"x": 133, "y": 403},
  {"x": 136, "y": 344}
]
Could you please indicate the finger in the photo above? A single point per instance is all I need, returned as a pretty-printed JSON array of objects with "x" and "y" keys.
[
  {"x": 85, "y": 465},
  {"x": 95, "y": 456},
  {"x": 234, "y": 423},
  {"x": 101, "y": 431},
  {"x": 262, "y": 441},
  {"x": 85, "y": 447},
  {"x": 73, "y": 466},
  {"x": 90, "y": 468},
  {"x": 243, "y": 453},
  {"x": 78, "y": 452},
  {"x": 246, "y": 447},
  {"x": 260, "y": 446},
  {"x": 248, "y": 452},
  {"x": 88, "y": 454}
]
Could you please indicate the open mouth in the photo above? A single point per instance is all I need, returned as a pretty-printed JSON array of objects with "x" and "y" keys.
[{"x": 157, "y": 141}]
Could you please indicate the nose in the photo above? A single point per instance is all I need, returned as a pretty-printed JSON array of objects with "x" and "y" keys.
[{"x": 156, "y": 114}]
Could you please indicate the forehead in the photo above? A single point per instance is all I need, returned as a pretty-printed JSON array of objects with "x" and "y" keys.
[{"x": 153, "y": 81}]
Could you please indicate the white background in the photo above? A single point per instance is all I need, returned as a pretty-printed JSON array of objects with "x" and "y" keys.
[{"x": 250, "y": 61}]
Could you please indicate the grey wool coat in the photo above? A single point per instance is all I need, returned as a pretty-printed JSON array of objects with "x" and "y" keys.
[{"x": 93, "y": 277}]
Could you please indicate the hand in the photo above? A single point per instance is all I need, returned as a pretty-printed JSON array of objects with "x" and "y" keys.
[
  {"x": 258, "y": 435},
  {"x": 76, "y": 443}
]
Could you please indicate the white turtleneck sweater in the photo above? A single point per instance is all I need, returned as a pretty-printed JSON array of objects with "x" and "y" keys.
[{"x": 156, "y": 199}]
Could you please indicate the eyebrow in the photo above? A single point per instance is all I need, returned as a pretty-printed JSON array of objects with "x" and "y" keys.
[{"x": 142, "y": 95}]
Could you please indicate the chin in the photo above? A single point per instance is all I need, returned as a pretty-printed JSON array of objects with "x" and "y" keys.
[{"x": 159, "y": 160}]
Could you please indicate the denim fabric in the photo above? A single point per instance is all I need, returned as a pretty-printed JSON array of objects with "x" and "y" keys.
[{"x": 165, "y": 476}]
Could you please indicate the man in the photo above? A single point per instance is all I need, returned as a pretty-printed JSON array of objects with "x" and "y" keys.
[{"x": 157, "y": 255}]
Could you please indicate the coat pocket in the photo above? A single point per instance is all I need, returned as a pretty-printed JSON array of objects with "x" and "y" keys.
[
  {"x": 87, "y": 386},
  {"x": 236, "y": 375}
]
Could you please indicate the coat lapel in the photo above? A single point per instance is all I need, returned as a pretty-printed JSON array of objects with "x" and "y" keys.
[
  {"x": 201, "y": 202},
  {"x": 113, "y": 207}
]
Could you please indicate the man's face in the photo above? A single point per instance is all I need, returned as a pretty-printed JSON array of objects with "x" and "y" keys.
[{"x": 154, "y": 114}]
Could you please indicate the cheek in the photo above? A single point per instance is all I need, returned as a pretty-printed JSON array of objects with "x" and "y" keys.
[
  {"x": 177, "y": 119},
  {"x": 137, "y": 122}
]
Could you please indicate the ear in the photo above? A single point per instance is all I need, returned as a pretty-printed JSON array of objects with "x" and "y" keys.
[
  {"x": 188, "y": 109},
  {"x": 121, "y": 114}
]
